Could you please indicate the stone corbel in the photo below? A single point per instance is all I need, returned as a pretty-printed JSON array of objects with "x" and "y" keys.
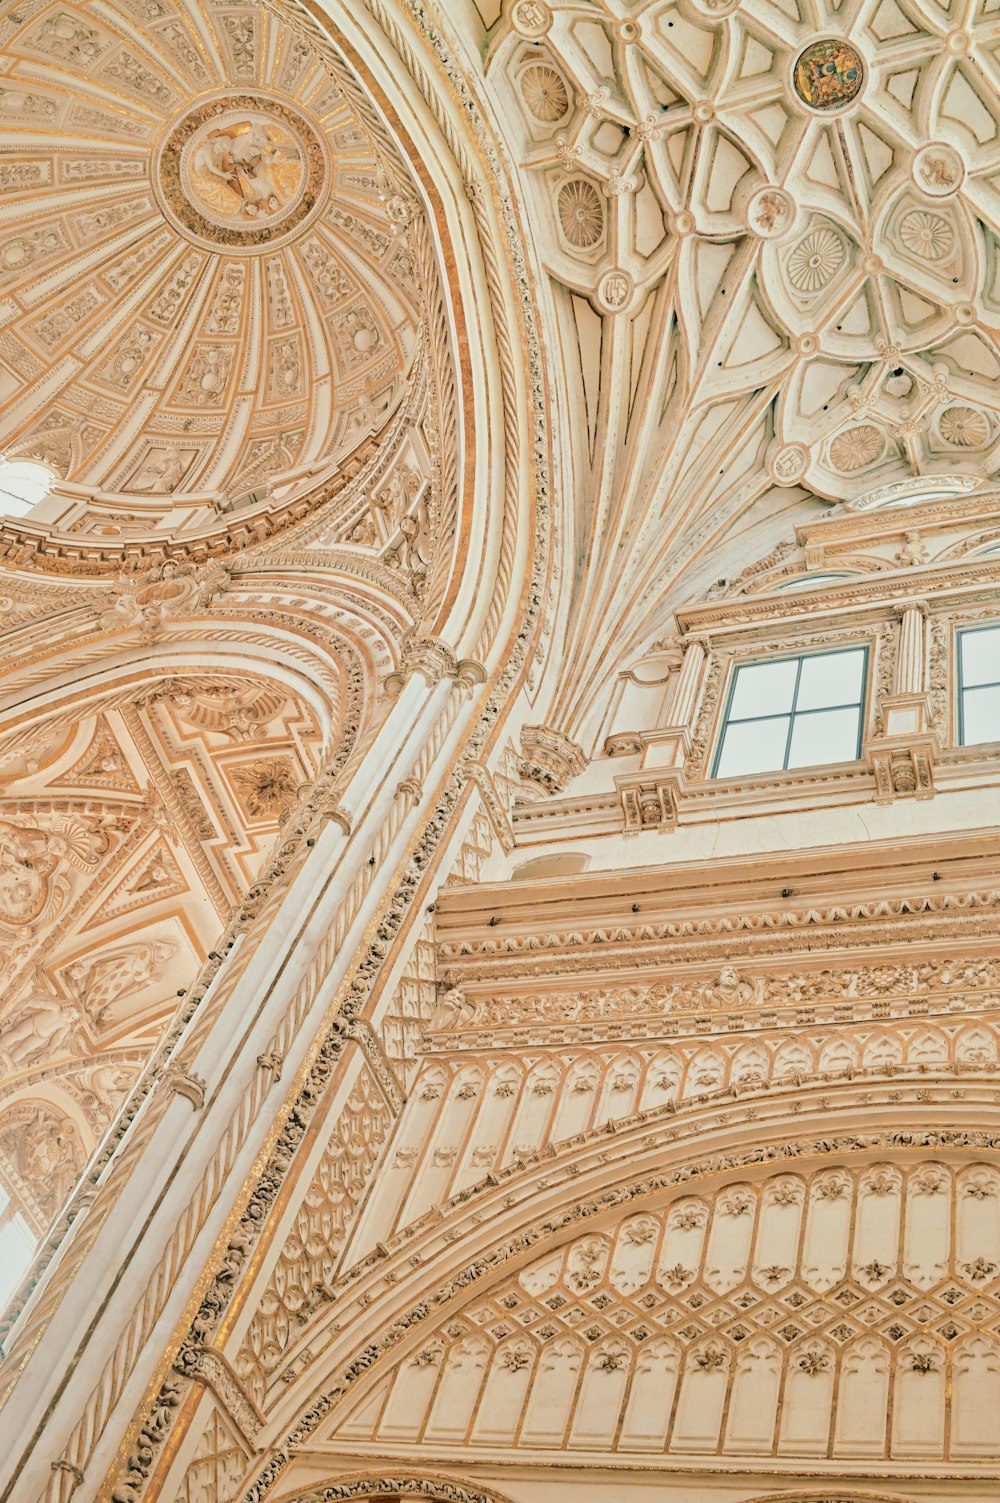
[
  {"x": 623, "y": 744},
  {"x": 650, "y": 802},
  {"x": 187, "y": 1084},
  {"x": 549, "y": 761},
  {"x": 434, "y": 659},
  {"x": 902, "y": 765}
]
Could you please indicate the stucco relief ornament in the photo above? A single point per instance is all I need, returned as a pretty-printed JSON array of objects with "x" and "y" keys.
[
  {"x": 788, "y": 464},
  {"x": 938, "y": 170},
  {"x": 614, "y": 291},
  {"x": 855, "y": 448},
  {"x": 544, "y": 92},
  {"x": 828, "y": 74},
  {"x": 580, "y": 213},
  {"x": 167, "y": 589},
  {"x": 964, "y": 427},
  {"x": 816, "y": 259},
  {"x": 241, "y": 170},
  {"x": 926, "y": 235},
  {"x": 771, "y": 213},
  {"x": 530, "y": 18}
]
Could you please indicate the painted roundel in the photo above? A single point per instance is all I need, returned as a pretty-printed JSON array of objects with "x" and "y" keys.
[{"x": 828, "y": 74}]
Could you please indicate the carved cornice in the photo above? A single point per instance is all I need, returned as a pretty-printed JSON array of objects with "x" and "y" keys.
[
  {"x": 946, "y": 586},
  {"x": 830, "y": 991},
  {"x": 653, "y": 944}
]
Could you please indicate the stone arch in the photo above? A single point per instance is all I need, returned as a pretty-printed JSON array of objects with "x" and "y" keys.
[
  {"x": 150, "y": 779},
  {"x": 403, "y": 1484},
  {"x": 830, "y": 1178}
]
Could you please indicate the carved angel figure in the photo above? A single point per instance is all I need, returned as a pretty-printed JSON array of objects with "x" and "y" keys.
[
  {"x": 41, "y": 1027},
  {"x": 243, "y": 156}
]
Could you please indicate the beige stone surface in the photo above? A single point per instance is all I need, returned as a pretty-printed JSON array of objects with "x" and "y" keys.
[{"x": 421, "y": 1075}]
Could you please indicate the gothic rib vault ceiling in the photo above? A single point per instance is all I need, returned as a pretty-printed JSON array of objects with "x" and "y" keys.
[
  {"x": 203, "y": 278},
  {"x": 775, "y": 275}
]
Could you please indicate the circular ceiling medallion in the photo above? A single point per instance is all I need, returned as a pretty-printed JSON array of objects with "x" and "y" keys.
[
  {"x": 242, "y": 170},
  {"x": 828, "y": 75},
  {"x": 938, "y": 170}
]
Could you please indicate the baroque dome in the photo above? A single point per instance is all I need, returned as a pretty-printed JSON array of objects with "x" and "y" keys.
[{"x": 207, "y": 289}]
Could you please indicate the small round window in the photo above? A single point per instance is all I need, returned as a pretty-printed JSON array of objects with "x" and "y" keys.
[{"x": 23, "y": 483}]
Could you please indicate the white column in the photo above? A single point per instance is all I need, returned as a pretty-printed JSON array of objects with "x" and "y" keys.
[
  {"x": 909, "y": 675},
  {"x": 685, "y": 696},
  {"x": 213, "y": 1115}
]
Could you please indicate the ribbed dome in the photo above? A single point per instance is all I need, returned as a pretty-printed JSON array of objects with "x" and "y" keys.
[{"x": 204, "y": 276}]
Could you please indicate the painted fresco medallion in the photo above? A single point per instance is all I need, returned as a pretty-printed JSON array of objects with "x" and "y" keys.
[
  {"x": 828, "y": 75},
  {"x": 242, "y": 170}
]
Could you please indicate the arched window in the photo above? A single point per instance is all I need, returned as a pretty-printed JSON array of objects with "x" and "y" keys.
[
  {"x": 23, "y": 483},
  {"x": 17, "y": 1248}
]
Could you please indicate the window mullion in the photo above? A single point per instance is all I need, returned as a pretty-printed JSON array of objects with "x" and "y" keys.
[{"x": 791, "y": 716}]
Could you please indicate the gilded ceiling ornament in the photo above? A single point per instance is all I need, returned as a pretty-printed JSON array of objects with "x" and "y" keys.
[
  {"x": 241, "y": 170},
  {"x": 580, "y": 213},
  {"x": 855, "y": 448},
  {"x": 816, "y": 259},
  {"x": 964, "y": 427},
  {"x": 544, "y": 93},
  {"x": 829, "y": 74},
  {"x": 926, "y": 234}
]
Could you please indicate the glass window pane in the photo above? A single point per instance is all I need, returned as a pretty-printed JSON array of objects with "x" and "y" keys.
[
  {"x": 17, "y": 1248},
  {"x": 981, "y": 656},
  {"x": 981, "y": 718},
  {"x": 831, "y": 678},
  {"x": 754, "y": 746},
  {"x": 763, "y": 689},
  {"x": 22, "y": 485},
  {"x": 824, "y": 736},
  {"x": 813, "y": 581}
]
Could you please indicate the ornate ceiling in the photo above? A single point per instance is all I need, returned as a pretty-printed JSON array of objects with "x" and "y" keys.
[
  {"x": 216, "y": 286},
  {"x": 206, "y": 287},
  {"x": 130, "y": 829},
  {"x": 772, "y": 233}
]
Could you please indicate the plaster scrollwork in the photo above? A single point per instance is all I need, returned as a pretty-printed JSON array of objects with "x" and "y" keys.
[{"x": 146, "y": 600}]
